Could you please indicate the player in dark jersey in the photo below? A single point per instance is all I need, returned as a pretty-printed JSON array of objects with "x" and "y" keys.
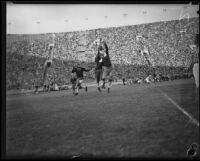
[
  {"x": 73, "y": 81},
  {"x": 77, "y": 78},
  {"x": 124, "y": 80},
  {"x": 103, "y": 64},
  {"x": 98, "y": 70},
  {"x": 106, "y": 64}
]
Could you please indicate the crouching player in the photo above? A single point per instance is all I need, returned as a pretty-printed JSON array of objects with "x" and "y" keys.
[{"x": 77, "y": 78}]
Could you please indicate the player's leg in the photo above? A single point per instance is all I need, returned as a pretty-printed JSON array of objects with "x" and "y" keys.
[
  {"x": 196, "y": 78},
  {"x": 77, "y": 86},
  {"x": 83, "y": 85},
  {"x": 196, "y": 74},
  {"x": 110, "y": 78},
  {"x": 98, "y": 77},
  {"x": 123, "y": 79},
  {"x": 79, "y": 81},
  {"x": 36, "y": 89},
  {"x": 46, "y": 67},
  {"x": 86, "y": 88},
  {"x": 72, "y": 80},
  {"x": 98, "y": 73},
  {"x": 104, "y": 75},
  {"x": 45, "y": 83},
  {"x": 73, "y": 87},
  {"x": 128, "y": 81}
]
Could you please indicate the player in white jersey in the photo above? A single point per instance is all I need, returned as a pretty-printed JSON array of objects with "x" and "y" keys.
[
  {"x": 49, "y": 59},
  {"x": 144, "y": 51}
]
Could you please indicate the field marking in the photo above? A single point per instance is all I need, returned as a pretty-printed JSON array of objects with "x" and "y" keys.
[{"x": 179, "y": 107}]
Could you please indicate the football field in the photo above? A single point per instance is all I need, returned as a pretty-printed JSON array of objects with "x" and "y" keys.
[{"x": 158, "y": 120}]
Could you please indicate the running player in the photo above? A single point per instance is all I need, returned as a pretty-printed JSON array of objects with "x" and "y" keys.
[{"x": 77, "y": 79}]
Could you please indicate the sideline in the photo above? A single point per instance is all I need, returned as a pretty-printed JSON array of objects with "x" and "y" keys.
[{"x": 179, "y": 107}]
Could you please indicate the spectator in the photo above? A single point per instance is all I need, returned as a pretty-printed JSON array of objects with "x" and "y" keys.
[{"x": 168, "y": 48}]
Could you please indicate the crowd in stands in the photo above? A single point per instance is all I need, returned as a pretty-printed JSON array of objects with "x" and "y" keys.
[{"x": 170, "y": 53}]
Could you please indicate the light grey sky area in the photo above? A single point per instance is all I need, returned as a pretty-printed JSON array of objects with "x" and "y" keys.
[{"x": 43, "y": 18}]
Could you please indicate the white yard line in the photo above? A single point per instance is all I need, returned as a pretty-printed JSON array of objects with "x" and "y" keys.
[{"x": 179, "y": 107}]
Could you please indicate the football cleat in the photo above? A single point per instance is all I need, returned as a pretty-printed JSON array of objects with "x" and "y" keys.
[{"x": 108, "y": 90}]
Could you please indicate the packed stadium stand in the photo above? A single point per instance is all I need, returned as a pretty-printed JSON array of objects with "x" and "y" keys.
[{"x": 168, "y": 41}]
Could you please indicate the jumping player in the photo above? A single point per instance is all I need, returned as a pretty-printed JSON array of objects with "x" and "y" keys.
[
  {"x": 106, "y": 63},
  {"x": 143, "y": 49},
  {"x": 49, "y": 60},
  {"x": 77, "y": 78},
  {"x": 98, "y": 69},
  {"x": 98, "y": 62}
]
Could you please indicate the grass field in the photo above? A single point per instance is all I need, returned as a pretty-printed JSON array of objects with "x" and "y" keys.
[{"x": 137, "y": 121}]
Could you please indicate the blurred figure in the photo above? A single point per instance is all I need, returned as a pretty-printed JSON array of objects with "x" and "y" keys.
[
  {"x": 144, "y": 51},
  {"x": 149, "y": 79},
  {"x": 195, "y": 67},
  {"x": 98, "y": 68},
  {"x": 77, "y": 80},
  {"x": 103, "y": 62},
  {"x": 49, "y": 60},
  {"x": 124, "y": 80},
  {"x": 196, "y": 74},
  {"x": 106, "y": 64}
]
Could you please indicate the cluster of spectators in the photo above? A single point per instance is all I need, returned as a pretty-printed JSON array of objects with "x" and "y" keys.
[{"x": 169, "y": 50}]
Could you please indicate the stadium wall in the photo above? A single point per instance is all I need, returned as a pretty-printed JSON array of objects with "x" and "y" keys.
[{"x": 168, "y": 46}]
